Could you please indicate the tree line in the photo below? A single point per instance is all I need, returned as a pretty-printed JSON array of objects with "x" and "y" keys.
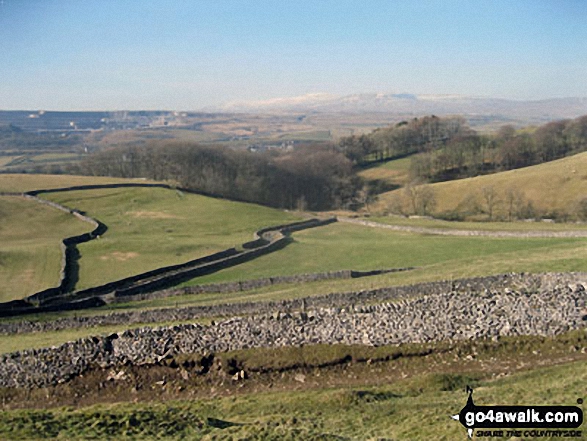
[
  {"x": 443, "y": 149},
  {"x": 310, "y": 177},
  {"x": 402, "y": 139},
  {"x": 472, "y": 154}
]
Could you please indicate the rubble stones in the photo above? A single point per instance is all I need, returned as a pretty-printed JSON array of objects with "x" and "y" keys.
[
  {"x": 488, "y": 312},
  {"x": 360, "y": 301}
]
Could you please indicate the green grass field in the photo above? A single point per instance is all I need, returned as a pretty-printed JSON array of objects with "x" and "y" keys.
[
  {"x": 393, "y": 172},
  {"x": 345, "y": 246},
  {"x": 405, "y": 399},
  {"x": 151, "y": 228},
  {"x": 16, "y": 182},
  {"x": 30, "y": 250},
  {"x": 556, "y": 185}
]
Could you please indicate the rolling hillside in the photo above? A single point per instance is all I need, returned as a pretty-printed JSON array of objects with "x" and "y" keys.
[
  {"x": 552, "y": 186},
  {"x": 150, "y": 228},
  {"x": 147, "y": 228}
]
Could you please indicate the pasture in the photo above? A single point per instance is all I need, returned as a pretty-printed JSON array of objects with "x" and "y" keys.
[
  {"x": 18, "y": 183},
  {"x": 30, "y": 245},
  {"x": 519, "y": 226},
  {"x": 394, "y": 172},
  {"x": 346, "y": 246},
  {"x": 151, "y": 227},
  {"x": 405, "y": 392}
]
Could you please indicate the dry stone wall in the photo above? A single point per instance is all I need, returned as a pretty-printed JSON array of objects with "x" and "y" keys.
[
  {"x": 246, "y": 285},
  {"x": 490, "y": 313},
  {"x": 512, "y": 281},
  {"x": 63, "y": 296}
]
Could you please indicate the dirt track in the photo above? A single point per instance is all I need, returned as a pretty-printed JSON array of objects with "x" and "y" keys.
[{"x": 480, "y": 233}]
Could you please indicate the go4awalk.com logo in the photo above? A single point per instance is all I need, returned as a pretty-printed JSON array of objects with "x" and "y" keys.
[{"x": 520, "y": 421}]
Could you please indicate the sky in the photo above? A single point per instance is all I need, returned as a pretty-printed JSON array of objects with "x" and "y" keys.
[{"x": 198, "y": 54}]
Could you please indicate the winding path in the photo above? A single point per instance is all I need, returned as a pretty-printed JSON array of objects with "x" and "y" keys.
[{"x": 469, "y": 233}]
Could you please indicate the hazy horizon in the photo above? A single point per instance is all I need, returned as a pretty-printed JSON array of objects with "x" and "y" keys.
[{"x": 67, "y": 55}]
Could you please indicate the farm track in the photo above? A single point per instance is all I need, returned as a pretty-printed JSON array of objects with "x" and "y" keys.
[{"x": 468, "y": 233}]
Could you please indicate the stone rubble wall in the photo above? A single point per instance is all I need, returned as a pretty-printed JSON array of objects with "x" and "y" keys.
[
  {"x": 513, "y": 281},
  {"x": 247, "y": 285},
  {"x": 446, "y": 316}
]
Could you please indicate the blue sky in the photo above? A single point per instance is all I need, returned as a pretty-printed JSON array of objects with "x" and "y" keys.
[{"x": 188, "y": 55}]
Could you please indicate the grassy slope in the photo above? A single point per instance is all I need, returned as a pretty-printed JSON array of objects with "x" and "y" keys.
[
  {"x": 150, "y": 228},
  {"x": 30, "y": 251},
  {"x": 394, "y": 172},
  {"x": 415, "y": 408},
  {"x": 344, "y": 246},
  {"x": 550, "y": 186},
  {"x": 27, "y": 182},
  {"x": 349, "y": 246}
]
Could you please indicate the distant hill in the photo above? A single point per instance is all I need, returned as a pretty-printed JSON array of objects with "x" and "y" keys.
[
  {"x": 521, "y": 112},
  {"x": 550, "y": 187}
]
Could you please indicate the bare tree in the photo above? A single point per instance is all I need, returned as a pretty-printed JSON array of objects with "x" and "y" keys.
[
  {"x": 422, "y": 198},
  {"x": 469, "y": 205},
  {"x": 491, "y": 199},
  {"x": 514, "y": 200},
  {"x": 395, "y": 205},
  {"x": 411, "y": 193},
  {"x": 582, "y": 209},
  {"x": 427, "y": 199}
]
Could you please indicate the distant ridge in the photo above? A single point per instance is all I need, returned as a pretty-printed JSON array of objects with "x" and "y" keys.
[{"x": 406, "y": 103}]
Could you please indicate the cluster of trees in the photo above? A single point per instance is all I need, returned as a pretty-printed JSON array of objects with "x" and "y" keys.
[
  {"x": 312, "y": 177},
  {"x": 403, "y": 139},
  {"x": 446, "y": 148},
  {"x": 470, "y": 154},
  {"x": 488, "y": 203}
]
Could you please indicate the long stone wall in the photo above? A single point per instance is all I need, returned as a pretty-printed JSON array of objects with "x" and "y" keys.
[
  {"x": 266, "y": 240},
  {"x": 511, "y": 281},
  {"x": 273, "y": 238},
  {"x": 247, "y": 285},
  {"x": 490, "y": 313}
]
